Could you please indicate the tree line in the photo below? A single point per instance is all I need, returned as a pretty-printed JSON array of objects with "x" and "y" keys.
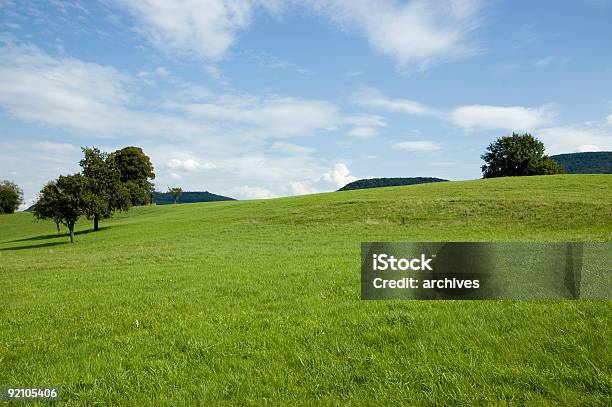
[{"x": 108, "y": 182}]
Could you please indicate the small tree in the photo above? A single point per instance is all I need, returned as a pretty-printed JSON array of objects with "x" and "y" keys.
[
  {"x": 108, "y": 193},
  {"x": 175, "y": 192},
  {"x": 66, "y": 199},
  {"x": 11, "y": 196},
  {"x": 517, "y": 155}
]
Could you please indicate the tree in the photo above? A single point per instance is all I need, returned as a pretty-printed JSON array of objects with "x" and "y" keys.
[
  {"x": 46, "y": 207},
  {"x": 108, "y": 193},
  {"x": 11, "y": 196},
  {"x": 136, "y": 172},
  {"x": 175, "y": 192},
  {"x": 517, "y": 155},
  {"x": 66, "y": 199}
]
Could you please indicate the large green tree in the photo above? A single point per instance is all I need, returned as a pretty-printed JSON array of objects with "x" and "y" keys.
[
  {"x": 517, "y": 155},
  {"x": 136, "y": 171},
  {"x": 108, "y": 193},
  {"x": 67, "y": 199},
  {"x": 11, "y": 196}
]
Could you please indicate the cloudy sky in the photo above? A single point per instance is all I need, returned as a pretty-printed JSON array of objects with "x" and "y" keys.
[{"x": 266, "y": 98}]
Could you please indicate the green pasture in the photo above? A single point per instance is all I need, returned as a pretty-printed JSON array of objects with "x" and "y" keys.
[{"x": 257, "y": 303}]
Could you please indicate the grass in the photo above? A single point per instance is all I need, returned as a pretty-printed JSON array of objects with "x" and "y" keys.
[{"x": 257, "y": 302}]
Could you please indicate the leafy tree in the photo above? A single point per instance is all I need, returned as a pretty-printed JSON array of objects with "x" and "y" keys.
[
  {"x": 67, "y": 199},
  {"x": 11, "y": 196},
  {"x": 517, "y": 155},
  {"x": 136, "y": 171},
  {"x": 46, "y": 207},
  {"x": 108, "y": 193},
  {"x": 176, "y": 193}
]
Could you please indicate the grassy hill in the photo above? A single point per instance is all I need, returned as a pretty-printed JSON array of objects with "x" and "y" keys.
[
  {"x": 387, "y": 182},
  {"x": 586, "y": 163},
  {"x": 257, "y": 302}
]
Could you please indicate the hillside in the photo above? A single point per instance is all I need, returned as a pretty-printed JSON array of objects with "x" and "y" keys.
[
  {"x": 243, "y": 302},
  {"x": 586, "y": 163},
  {"x": 164, "y": 198},
  {"x": 387, "y": 182}
]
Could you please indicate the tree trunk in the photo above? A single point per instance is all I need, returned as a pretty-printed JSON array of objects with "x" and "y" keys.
[
  {"x": 71, "y": 228},
  {"x": 96, "y": 221},
  {"x": 57, "y": 226}
]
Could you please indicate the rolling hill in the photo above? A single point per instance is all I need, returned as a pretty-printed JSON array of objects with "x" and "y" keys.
[
  {"x": 388, "y": 182},
  {"x": 585, "y": 163},
  {"x": 257, "y": 302}
]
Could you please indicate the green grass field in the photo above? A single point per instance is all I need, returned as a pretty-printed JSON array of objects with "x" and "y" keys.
[{"x": 257, "y": 302}]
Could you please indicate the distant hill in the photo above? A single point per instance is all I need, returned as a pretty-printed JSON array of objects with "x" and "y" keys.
[
  {"x": 388, "y": 182},
  {"x": 186, "y": 197},
  {"x": 189, "y": 197},
  {"x": 585, "y": 163}
]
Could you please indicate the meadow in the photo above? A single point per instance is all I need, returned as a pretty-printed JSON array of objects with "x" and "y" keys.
[{"x": 258, "y": 303}]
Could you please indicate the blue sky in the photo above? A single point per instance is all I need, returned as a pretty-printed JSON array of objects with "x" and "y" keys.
[{"x": 266, "y": 98}]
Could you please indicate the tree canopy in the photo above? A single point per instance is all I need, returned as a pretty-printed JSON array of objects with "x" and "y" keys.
[
  {"x": 64, "y": 200},
  {"x": 517, "y": 155},
  {"x": 47, "y": 205},
  {"x": 136, "y": 172},
  {"x": 11, "y": 196},
  {"x": 108, "y": 193}
]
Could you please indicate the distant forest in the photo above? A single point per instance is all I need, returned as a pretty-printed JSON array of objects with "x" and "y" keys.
[
  {"x": 388, "y": 182},
  {"x": 586, "y": 163},
  {"x": 164, "y": 198}
]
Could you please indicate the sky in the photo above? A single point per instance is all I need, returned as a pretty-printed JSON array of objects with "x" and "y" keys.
[{"x": 265, "y": 98}]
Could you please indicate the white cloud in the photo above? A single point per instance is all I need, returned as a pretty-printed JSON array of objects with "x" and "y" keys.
[
  {"x": 189, "y": 165},
  {"x": 206, "y": 27},
  {"x": 501, "y": 117},
  {"x": 249, "y": 192},
  {"x": 339, "y": 175},
  {"x": 365, "y": 125},
  {"x": 289, "y": 148},
  {"x": 362, "y": 132},
  {"x": 415, "y": 33},
  {"x": 367, "y": 120},
  {"x": 77, "y": 95},
  {"x": 95, "y": 99},
  {"x": 301, "y": 188},
  {"x": 610, "y": 120},
  {"x": 587, "y": 147},
  {"x": 569, "y": 139},
  {"x": 423, "y": 145},
  {"x": 272, "y": 116},
  {"x": 369, "y": 97}
]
